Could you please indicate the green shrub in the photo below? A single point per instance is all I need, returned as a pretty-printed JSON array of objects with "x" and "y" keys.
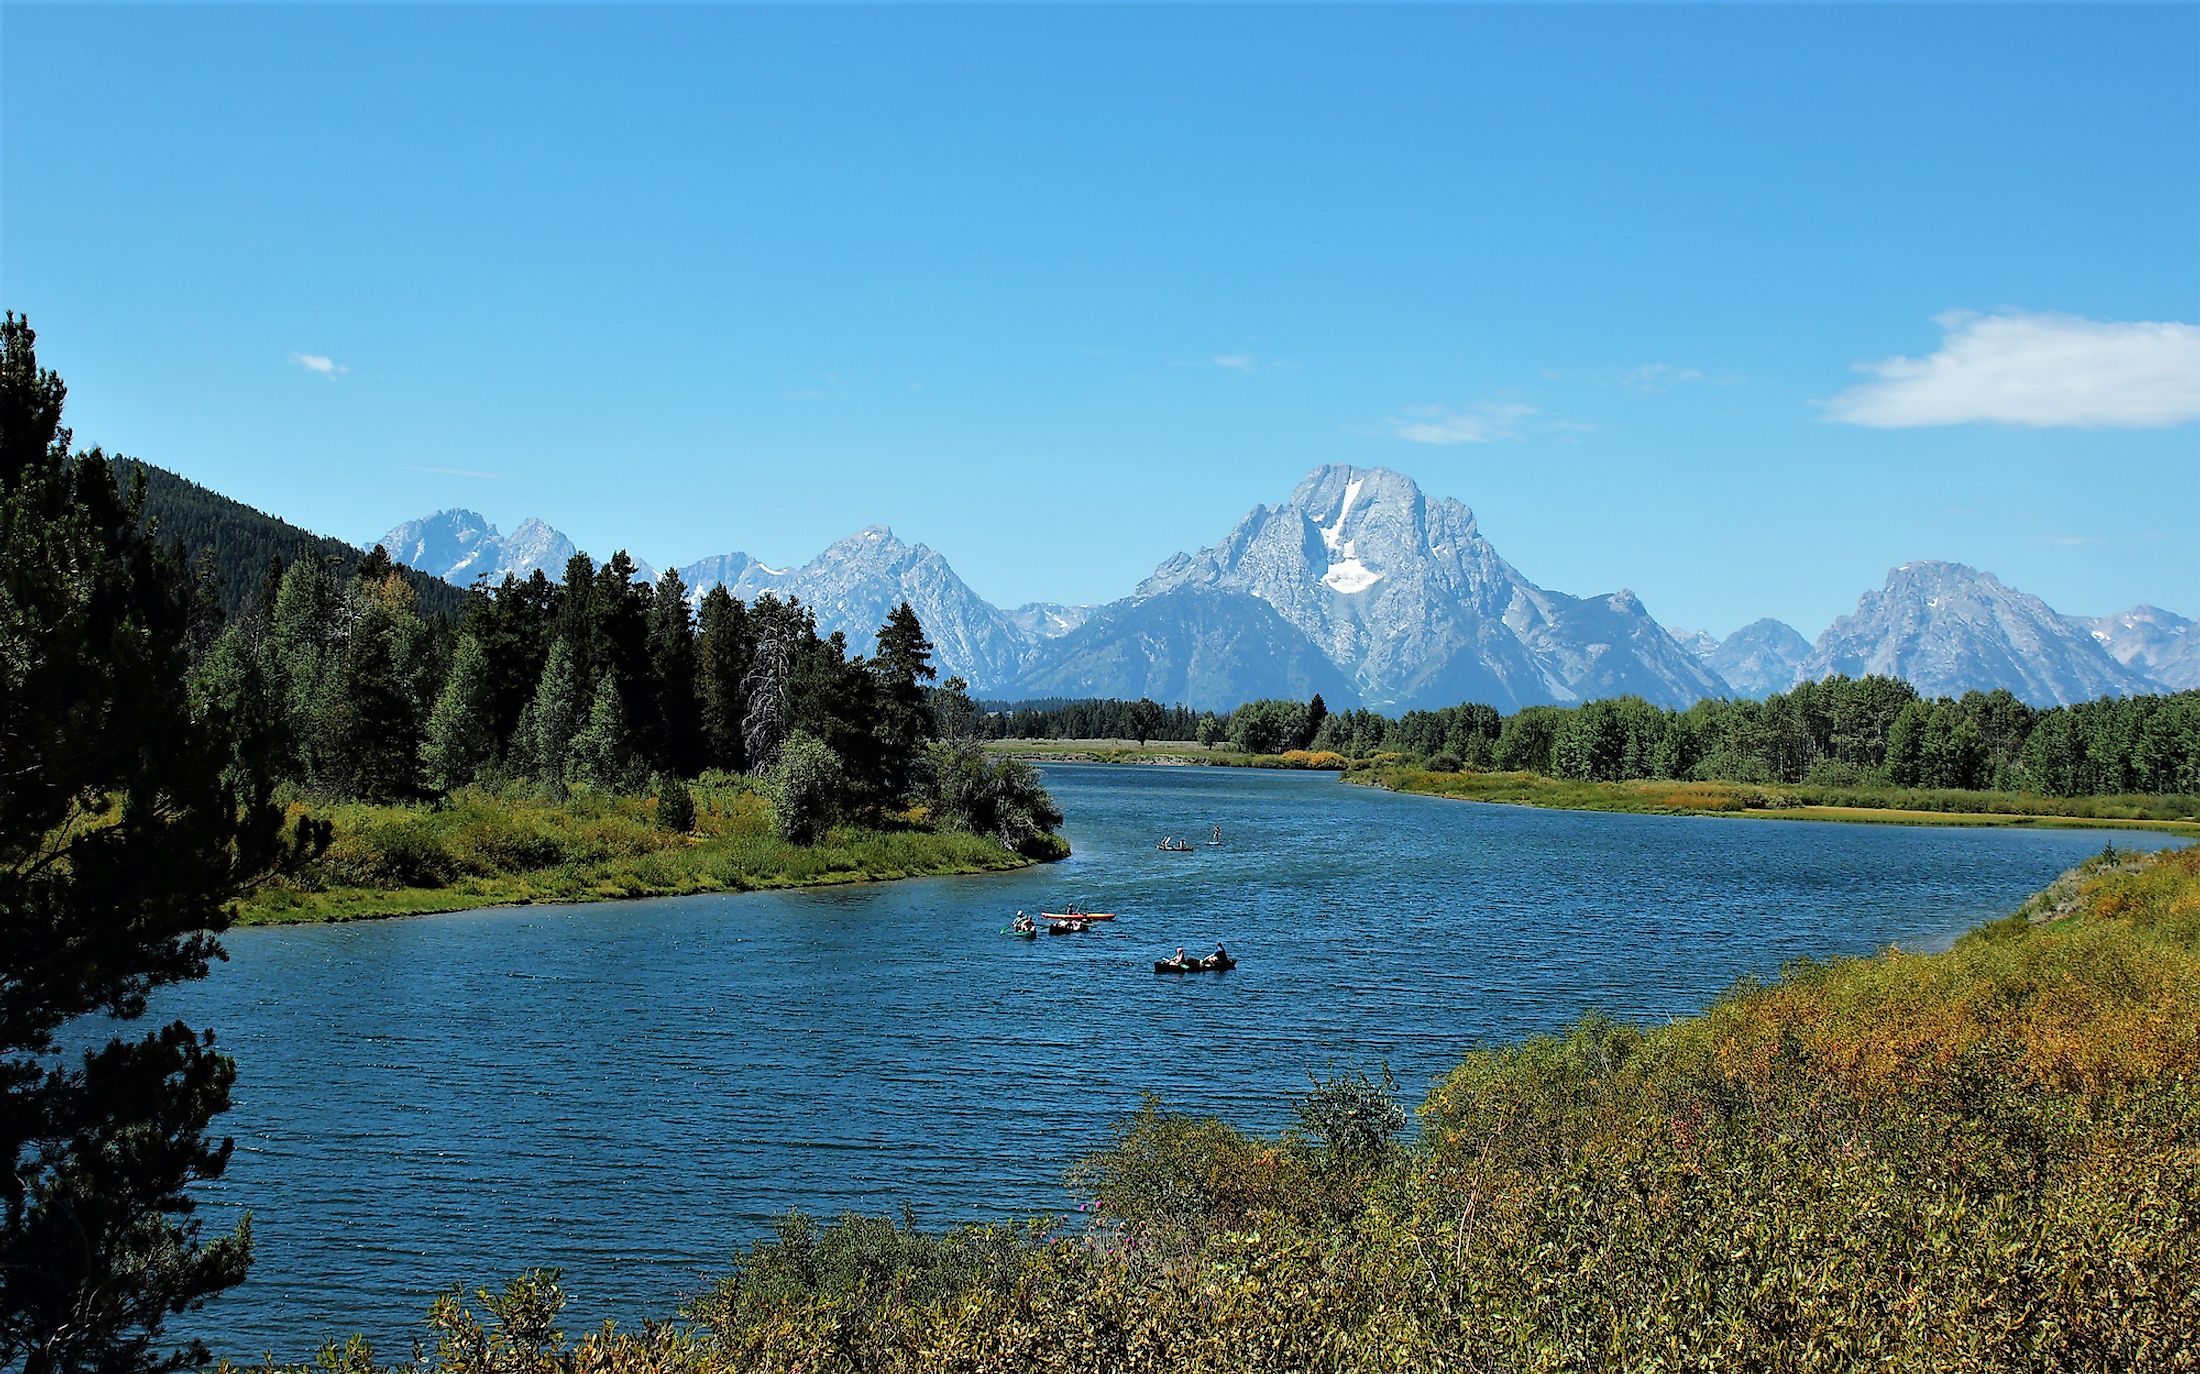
[
  {"x": 808, "y": 788},
  {"x": 675, "y": 806}
]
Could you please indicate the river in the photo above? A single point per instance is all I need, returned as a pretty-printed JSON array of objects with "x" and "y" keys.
[{"x": 631, "y": 1091}]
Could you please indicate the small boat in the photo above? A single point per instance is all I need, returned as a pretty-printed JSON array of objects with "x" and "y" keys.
[
  {"x": 1078, "y": 915},
  {"x": 1210, "y": 964},
  {"x": 1032, "y": 934},
  {"x": 1075, "y": 925},
  {"x": 1167, "y": 848}
]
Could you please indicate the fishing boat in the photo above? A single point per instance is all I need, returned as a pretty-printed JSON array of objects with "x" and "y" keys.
[{"x": 1210, "y": 964}]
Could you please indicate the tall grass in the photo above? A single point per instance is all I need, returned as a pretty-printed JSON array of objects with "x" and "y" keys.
[
  {"x": 1800, "y": 800},
  {"x": 480, "y": 848}
]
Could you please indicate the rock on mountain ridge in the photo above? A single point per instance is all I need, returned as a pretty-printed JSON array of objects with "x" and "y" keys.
[
  {"x": 854, "y": 585},
  {"x": 2147, "y": 639},
  {"x": 1414, "y": 607},
  {"x": 1948, "y": 629},
  {"x": 459, "y": 546}
]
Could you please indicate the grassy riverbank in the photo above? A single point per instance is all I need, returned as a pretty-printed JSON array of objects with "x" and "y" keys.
[
  {"x": 1882, "y": 806},
  {"x": 1162, "y": 753},
  {"x": 1868, "y": 805},
  {"x": 478, "y": 849},
  {"x": 1985, "y": 1159}
]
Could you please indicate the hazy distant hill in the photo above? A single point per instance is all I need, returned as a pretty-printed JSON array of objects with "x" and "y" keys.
[
  {"x": 243, "y": 539},
  {"x": 1755, "y": 661}
]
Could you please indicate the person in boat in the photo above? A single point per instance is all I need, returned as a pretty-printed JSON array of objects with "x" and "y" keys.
[
  {"x": 1221, "y": 955},
  {"x": 1180, "y": 961}
]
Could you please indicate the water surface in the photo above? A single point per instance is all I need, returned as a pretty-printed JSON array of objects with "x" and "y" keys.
[{"x": 630, "y": 1091}]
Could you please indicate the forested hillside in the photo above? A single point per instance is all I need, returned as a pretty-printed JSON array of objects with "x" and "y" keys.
[{"x": 242, "y": 541}]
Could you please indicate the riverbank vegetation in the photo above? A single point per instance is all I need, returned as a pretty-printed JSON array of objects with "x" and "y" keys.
[
  {"x": 481, "y": 848},
  {"x": 1883, "y": 805},
  {"x": 1856, "y": 749},
  {"x": 1165, "y": 753},
  {"x": 1976, "y": 1160}
]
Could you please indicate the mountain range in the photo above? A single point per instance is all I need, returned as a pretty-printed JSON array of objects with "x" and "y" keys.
[{"x": 1364, "y": 589}]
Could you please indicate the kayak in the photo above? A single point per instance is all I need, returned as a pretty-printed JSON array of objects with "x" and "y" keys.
[
  {"x": 1078, "y": 915},
  {"x": 1022, "y": 934},
  {"x": 1210, "y": 964}
]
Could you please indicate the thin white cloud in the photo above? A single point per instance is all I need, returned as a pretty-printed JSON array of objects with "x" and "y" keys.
[
  {"x": 1482, "y": 424},
  {"x": 1652, "y": 378},
  {"x": 2037, "y": 370},
  {"x": 316, "y": 362},
  {"x": 1244, "y": 364}
]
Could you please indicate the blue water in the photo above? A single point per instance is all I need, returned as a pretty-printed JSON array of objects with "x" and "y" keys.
[{"x": 631, "y": 1091}]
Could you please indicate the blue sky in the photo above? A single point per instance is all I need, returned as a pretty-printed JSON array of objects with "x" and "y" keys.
[{"x": 1738, "y": 307}]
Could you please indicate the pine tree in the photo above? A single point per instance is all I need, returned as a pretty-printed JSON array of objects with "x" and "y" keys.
[
  {"x": 123, "y": 837},
  {"x": 622, "y": 635},
  {"x": 722, "y": 653},
  {"x": 677, "y": 747},
  {"x": 302, "y": 650},
  {"x": 603, "y": 752},
  {"x": 513, "y": 625},
  {"x": 554, "y": 717},
  {"x": 462, "y": 728},
  {"x": 371, "y": 723},
  {"x": 576, "y": 623},
  {"x": 902, "y": 724}
]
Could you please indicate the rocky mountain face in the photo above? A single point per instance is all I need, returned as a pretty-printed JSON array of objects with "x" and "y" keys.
[
  {"x": 459, "y": 546},
  {"x": 2147, "y": 639},
  {"x": 1410, "y": 605},
  {"x": 854, "y": 585},
  {"x": 1757, "y": 660},
  {"x": 1041, "y": 620},
  {"x": 1361, "y": 588},
  {"x": 1949, "y": 629}
]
